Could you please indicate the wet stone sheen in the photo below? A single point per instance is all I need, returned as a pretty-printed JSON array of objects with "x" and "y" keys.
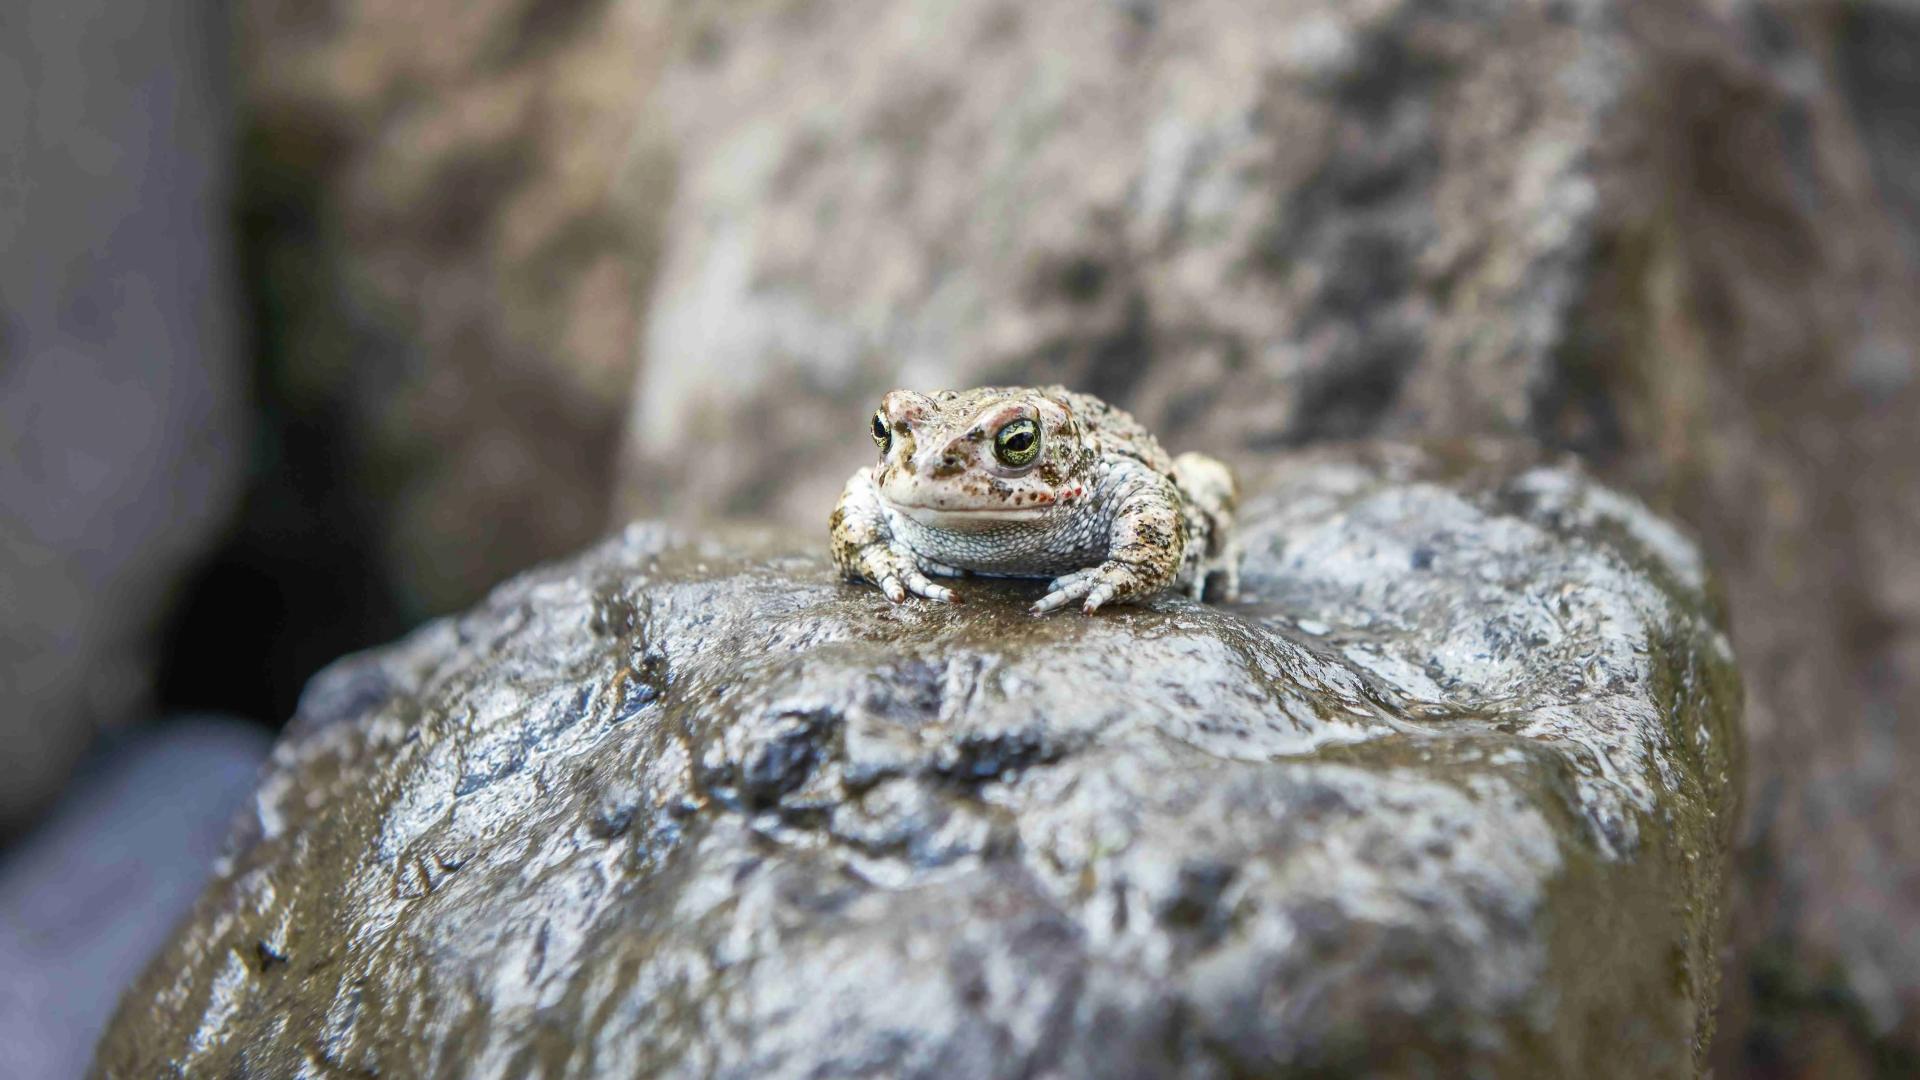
[{"x": 1448, "y": 791}]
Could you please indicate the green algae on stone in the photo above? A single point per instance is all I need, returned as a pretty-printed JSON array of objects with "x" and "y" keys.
[{"x": 1447, "y": 793}]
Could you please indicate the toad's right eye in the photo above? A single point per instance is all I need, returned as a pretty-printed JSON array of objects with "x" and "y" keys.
[
  {"x": 1017, "y": 444},
  {"x": 882, "y": 435}
]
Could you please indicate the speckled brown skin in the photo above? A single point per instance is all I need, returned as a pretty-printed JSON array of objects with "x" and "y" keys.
[{"x": 1096, "y": 505}]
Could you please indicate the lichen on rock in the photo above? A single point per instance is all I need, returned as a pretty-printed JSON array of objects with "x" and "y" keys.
[{"x": 1448, "y": 792}]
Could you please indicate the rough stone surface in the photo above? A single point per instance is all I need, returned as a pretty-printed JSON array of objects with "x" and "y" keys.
[
  {"x": 1680, "y": 238},
  {"x": 1267, "y": 224},
  {"x": 1451, "y": 790},
  {"x": 119, "y": 422}
]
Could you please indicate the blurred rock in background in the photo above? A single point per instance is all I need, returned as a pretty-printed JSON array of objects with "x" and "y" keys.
[
  {"x": 1752, "y": 333},
  {"x": 1255, "y": 227},
  {"x": 448, "y": 229},
  {"x": 92, "y": 894},
  {"x": 120, "y": 420}
]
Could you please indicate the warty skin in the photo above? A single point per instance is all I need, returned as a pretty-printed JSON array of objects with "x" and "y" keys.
[{"x": 1033, "y": 483}]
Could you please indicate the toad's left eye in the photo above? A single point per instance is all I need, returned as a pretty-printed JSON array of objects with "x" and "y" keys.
[
  {"x": 882, "y": 435},
  {"x": 1017, "y": 444}
]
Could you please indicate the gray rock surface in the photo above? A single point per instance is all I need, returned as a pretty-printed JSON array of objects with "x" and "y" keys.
[
  {"x": 120, "y": 436},
  {"x": 89, "y": 896},
  {"x": 1450, "y": 792},
  {"x": 1268, "y": 224},
  {"x": 1681, "y": 238}
]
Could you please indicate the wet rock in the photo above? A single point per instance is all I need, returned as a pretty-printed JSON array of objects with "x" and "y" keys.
[
  {"x": 1680, "y": 238},
  {"x": 1449, "y": 791}
]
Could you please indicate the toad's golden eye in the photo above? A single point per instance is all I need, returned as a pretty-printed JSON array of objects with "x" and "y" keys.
[
  {"x": 882, "y": 435},
  {"x": 1017, "y": 444}
]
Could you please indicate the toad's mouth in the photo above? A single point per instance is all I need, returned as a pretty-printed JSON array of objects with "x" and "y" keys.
[{"x": 954, "y": 515}]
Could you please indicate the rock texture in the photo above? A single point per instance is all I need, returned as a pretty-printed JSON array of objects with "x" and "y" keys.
[
  {"x": 119, "y": 424},
  {"x": 1450, "y": 791},
  {"x": 1266, "y": 225},
  {"x": 1677, "y": 237}
]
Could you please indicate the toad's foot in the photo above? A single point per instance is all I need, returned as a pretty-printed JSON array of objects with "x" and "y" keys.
[
  {"x": 1095, "y": 586},
  {"x": 898, "y": 572}
]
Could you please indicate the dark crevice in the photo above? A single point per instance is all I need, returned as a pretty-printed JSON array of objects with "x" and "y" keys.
[{"x": 297, "y": 581}]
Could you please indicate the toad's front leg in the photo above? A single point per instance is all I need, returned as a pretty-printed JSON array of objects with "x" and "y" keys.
[
  {"x": 865, "y": 548},
  {"x": 1145, "y": 544}
]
